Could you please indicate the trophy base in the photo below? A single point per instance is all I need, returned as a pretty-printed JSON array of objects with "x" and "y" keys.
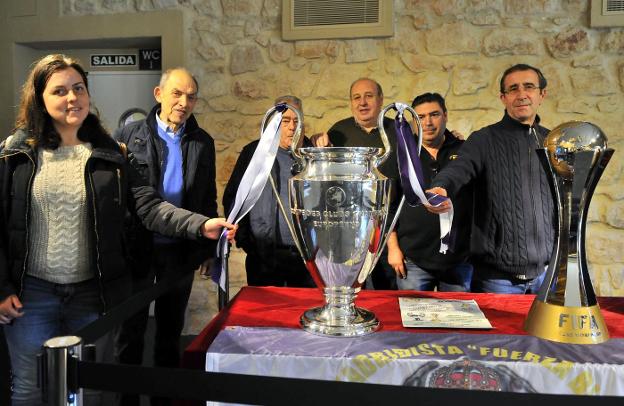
[
  {"x": 564, "y": 324},
  {"x": 339, "y": 322}
]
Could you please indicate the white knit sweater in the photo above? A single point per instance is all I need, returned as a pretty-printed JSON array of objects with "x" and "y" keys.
[{"x": 58, "y": 233}]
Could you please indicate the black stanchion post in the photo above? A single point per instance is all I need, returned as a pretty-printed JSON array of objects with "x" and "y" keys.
[{"x": 60, "y": 354}]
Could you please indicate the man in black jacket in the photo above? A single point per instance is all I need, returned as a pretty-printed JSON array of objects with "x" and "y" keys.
[
  {"x": 178, "y": 158},
  {"x": 272, "y": 256},
  {"x": 513, "y": 226},
  {"x": 413, "y": 248}
]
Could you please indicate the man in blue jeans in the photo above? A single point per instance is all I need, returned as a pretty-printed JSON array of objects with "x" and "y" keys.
[
  {"x": 514, "y": 220},
  {"x": 413, "y": 248}
]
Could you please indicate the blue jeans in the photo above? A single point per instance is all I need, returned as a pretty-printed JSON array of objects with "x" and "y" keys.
[
  {"x": 456, "y": 279},
  {"x": 489, "y": 284},
  {"x": 50, "y": 310}
]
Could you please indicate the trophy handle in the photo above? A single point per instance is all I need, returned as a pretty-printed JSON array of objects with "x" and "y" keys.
[
  {"x": 400, "y": 107},
  {"x": 542, "y": 154},
  {"x": 601, "y": 159},
  {"x": 297, "y": 135}
]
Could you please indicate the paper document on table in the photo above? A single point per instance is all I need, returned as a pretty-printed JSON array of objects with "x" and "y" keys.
[{"x": 441, "y": 313}]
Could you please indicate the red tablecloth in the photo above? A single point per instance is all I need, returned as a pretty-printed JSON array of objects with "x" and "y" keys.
[{"x": 282, "y": 307}]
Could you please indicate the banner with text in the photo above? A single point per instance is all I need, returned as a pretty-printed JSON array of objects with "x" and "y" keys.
[{"x": 486, "y": 362}]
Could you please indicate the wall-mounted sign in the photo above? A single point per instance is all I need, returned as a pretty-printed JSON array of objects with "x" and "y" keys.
[
  {"x": 150, "y": 59},
  {"x": 104, "y": 60}
]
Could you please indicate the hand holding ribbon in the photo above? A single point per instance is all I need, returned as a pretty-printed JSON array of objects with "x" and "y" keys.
[{"x": 214, "y": 227}]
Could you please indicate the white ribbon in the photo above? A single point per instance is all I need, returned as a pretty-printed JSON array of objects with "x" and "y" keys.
[{"x": 252, "y": 183}]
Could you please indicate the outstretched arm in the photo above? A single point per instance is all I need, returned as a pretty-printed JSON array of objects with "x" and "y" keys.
[{"x": 160, "y": 216}]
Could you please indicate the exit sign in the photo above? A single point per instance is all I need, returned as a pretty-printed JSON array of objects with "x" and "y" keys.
[{"x": 106, "y": 60}]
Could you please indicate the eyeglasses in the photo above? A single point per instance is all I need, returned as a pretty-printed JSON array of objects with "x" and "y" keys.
[{"x": 515, "y": 89}]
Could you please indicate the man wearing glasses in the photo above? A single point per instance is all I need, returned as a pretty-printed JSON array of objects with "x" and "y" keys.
[{"x": 513, "y": 224}]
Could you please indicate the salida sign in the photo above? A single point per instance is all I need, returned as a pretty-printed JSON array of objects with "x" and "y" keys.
[{"x": 104, "y": 60}]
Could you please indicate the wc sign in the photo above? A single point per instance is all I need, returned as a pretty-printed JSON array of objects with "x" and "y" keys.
[
  {"x": 150, "y": 59},
  {"x": 113, "y": 60}
]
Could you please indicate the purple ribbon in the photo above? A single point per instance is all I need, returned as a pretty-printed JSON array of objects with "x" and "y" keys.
[{"x": 407, "y": 153}]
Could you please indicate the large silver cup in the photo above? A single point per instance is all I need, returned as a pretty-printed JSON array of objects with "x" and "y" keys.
[
  {"x": 565, "y": 309},
  {"x": 339, "y": 204}
]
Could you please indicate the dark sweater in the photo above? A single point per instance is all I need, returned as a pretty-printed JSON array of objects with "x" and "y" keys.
[
  {"x": 347, "y": 133},
  {"x": 418, "y": 230},
  {"x": 514, "y": 217}
]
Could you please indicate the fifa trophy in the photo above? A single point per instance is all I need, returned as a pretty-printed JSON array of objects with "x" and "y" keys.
[{"x": 565, "y": 309}]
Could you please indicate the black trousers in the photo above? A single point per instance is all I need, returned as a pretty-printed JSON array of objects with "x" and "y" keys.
[
  {"x": 383, "y": 275},
  {"x": 169, "y": 310},
  {"x": 282, "y": 267},
  {"x": 5, "y": 371}
]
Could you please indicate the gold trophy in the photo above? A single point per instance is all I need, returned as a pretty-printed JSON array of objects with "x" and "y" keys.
[{"x": 566, "y": 309}]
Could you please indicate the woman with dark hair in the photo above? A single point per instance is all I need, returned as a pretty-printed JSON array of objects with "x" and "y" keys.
[{"x": 65, "y": 188}]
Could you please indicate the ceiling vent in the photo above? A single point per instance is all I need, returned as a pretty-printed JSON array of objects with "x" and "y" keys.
[
  {"x": 607, "y": 13},
  {"x": 610, "y": 7},
  {"x": 321, "y": 19}
]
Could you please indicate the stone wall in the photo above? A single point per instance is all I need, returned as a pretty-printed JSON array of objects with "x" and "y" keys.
[{"x": 458, "y": 48}]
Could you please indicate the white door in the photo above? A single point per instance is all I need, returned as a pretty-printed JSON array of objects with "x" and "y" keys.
[{"x": 116, "y": 93}]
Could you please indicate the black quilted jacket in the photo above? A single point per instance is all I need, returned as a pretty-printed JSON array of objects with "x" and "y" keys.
[{"x": 113, "y": 186}]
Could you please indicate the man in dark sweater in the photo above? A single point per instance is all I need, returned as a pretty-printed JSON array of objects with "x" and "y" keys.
[
  {"x": 513, "y": 225},
  {"x": 272, "y": 256},
  {"x": 360, "y": 130},
  {"x": 413, "y": 248}
]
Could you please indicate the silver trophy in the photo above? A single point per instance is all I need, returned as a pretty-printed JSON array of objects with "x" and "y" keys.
[
  {"x": 339, "y": 205},
  {"x": 566, "y": 309}
]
